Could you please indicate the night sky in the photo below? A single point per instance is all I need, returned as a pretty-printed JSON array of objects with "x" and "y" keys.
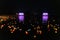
[{"x": 13, "y": 6}]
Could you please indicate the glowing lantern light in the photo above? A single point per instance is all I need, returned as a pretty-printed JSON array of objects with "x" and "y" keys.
[
  {"x": 45, "y": 13},
  {"x": 21, "y": 16},
  {"x": 21, "y": 13},
  {"x": 44, "y": 17}
]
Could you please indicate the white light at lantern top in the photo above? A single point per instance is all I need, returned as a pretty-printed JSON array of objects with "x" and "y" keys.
[
  {"x": 45, "y": 14},
  {"x": 45, "y": 17},
  {"x": 21, "y": 13},
  {"x": 21, "y": 16}
]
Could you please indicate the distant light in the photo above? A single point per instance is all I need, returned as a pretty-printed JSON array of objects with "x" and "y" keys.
[
  {"x": 2, "y": 26},
  {"x": 51, "y": 25},
  {"x": 48, "y": 26},
  {"x": 11, "y": 30},
  {"x": 29, "y": 30},
  {"x": 55, "y": 31},
  {"x": 53, "y": 20},
  {"x": 9, "y": 26},
  {"x": 34, "y": 36},
  {"x": 26, "y": 32},
  {"x": 21, "y": 13},
  {"x": 38, "y": 27},
  {"x": 17, "y": 27},
  {"x": 40, "y": 32},
  {"x": 1, "y": 19},
  {"x": 20, "y": 29},
  {"x": 45, "y": 13}
]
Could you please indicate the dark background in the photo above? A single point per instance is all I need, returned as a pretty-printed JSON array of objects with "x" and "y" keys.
[{"x": 13, "y": 6}]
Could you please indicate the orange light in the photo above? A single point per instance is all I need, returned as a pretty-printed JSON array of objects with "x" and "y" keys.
[
  {"x": 2, "y": 26},
  {"x": 37, "y": 31},
  {"x": 9, "y": 26},
  {"x": 12, "y": 30},
  {"x": 26, "y": 33},
  {"x": 40, "y": 32},
  {"x": 38, "y": 27}
]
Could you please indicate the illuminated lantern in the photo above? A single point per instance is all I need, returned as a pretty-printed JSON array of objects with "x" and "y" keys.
[
  {"x": 21, "y": 17},
  {"x": 44, "y": 17}
]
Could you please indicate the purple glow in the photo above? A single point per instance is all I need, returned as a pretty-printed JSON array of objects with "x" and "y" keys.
[
  {"x": 45, "y": 17},
  {"x": 21, "y": 18},
  {"x": 21, "y": 13},
  {"x": 45, "y": 13}
]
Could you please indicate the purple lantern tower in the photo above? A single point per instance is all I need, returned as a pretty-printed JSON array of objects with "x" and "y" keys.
[
  {"x": 44, "y": 17},
  {"x": 21, "y": 17}
]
